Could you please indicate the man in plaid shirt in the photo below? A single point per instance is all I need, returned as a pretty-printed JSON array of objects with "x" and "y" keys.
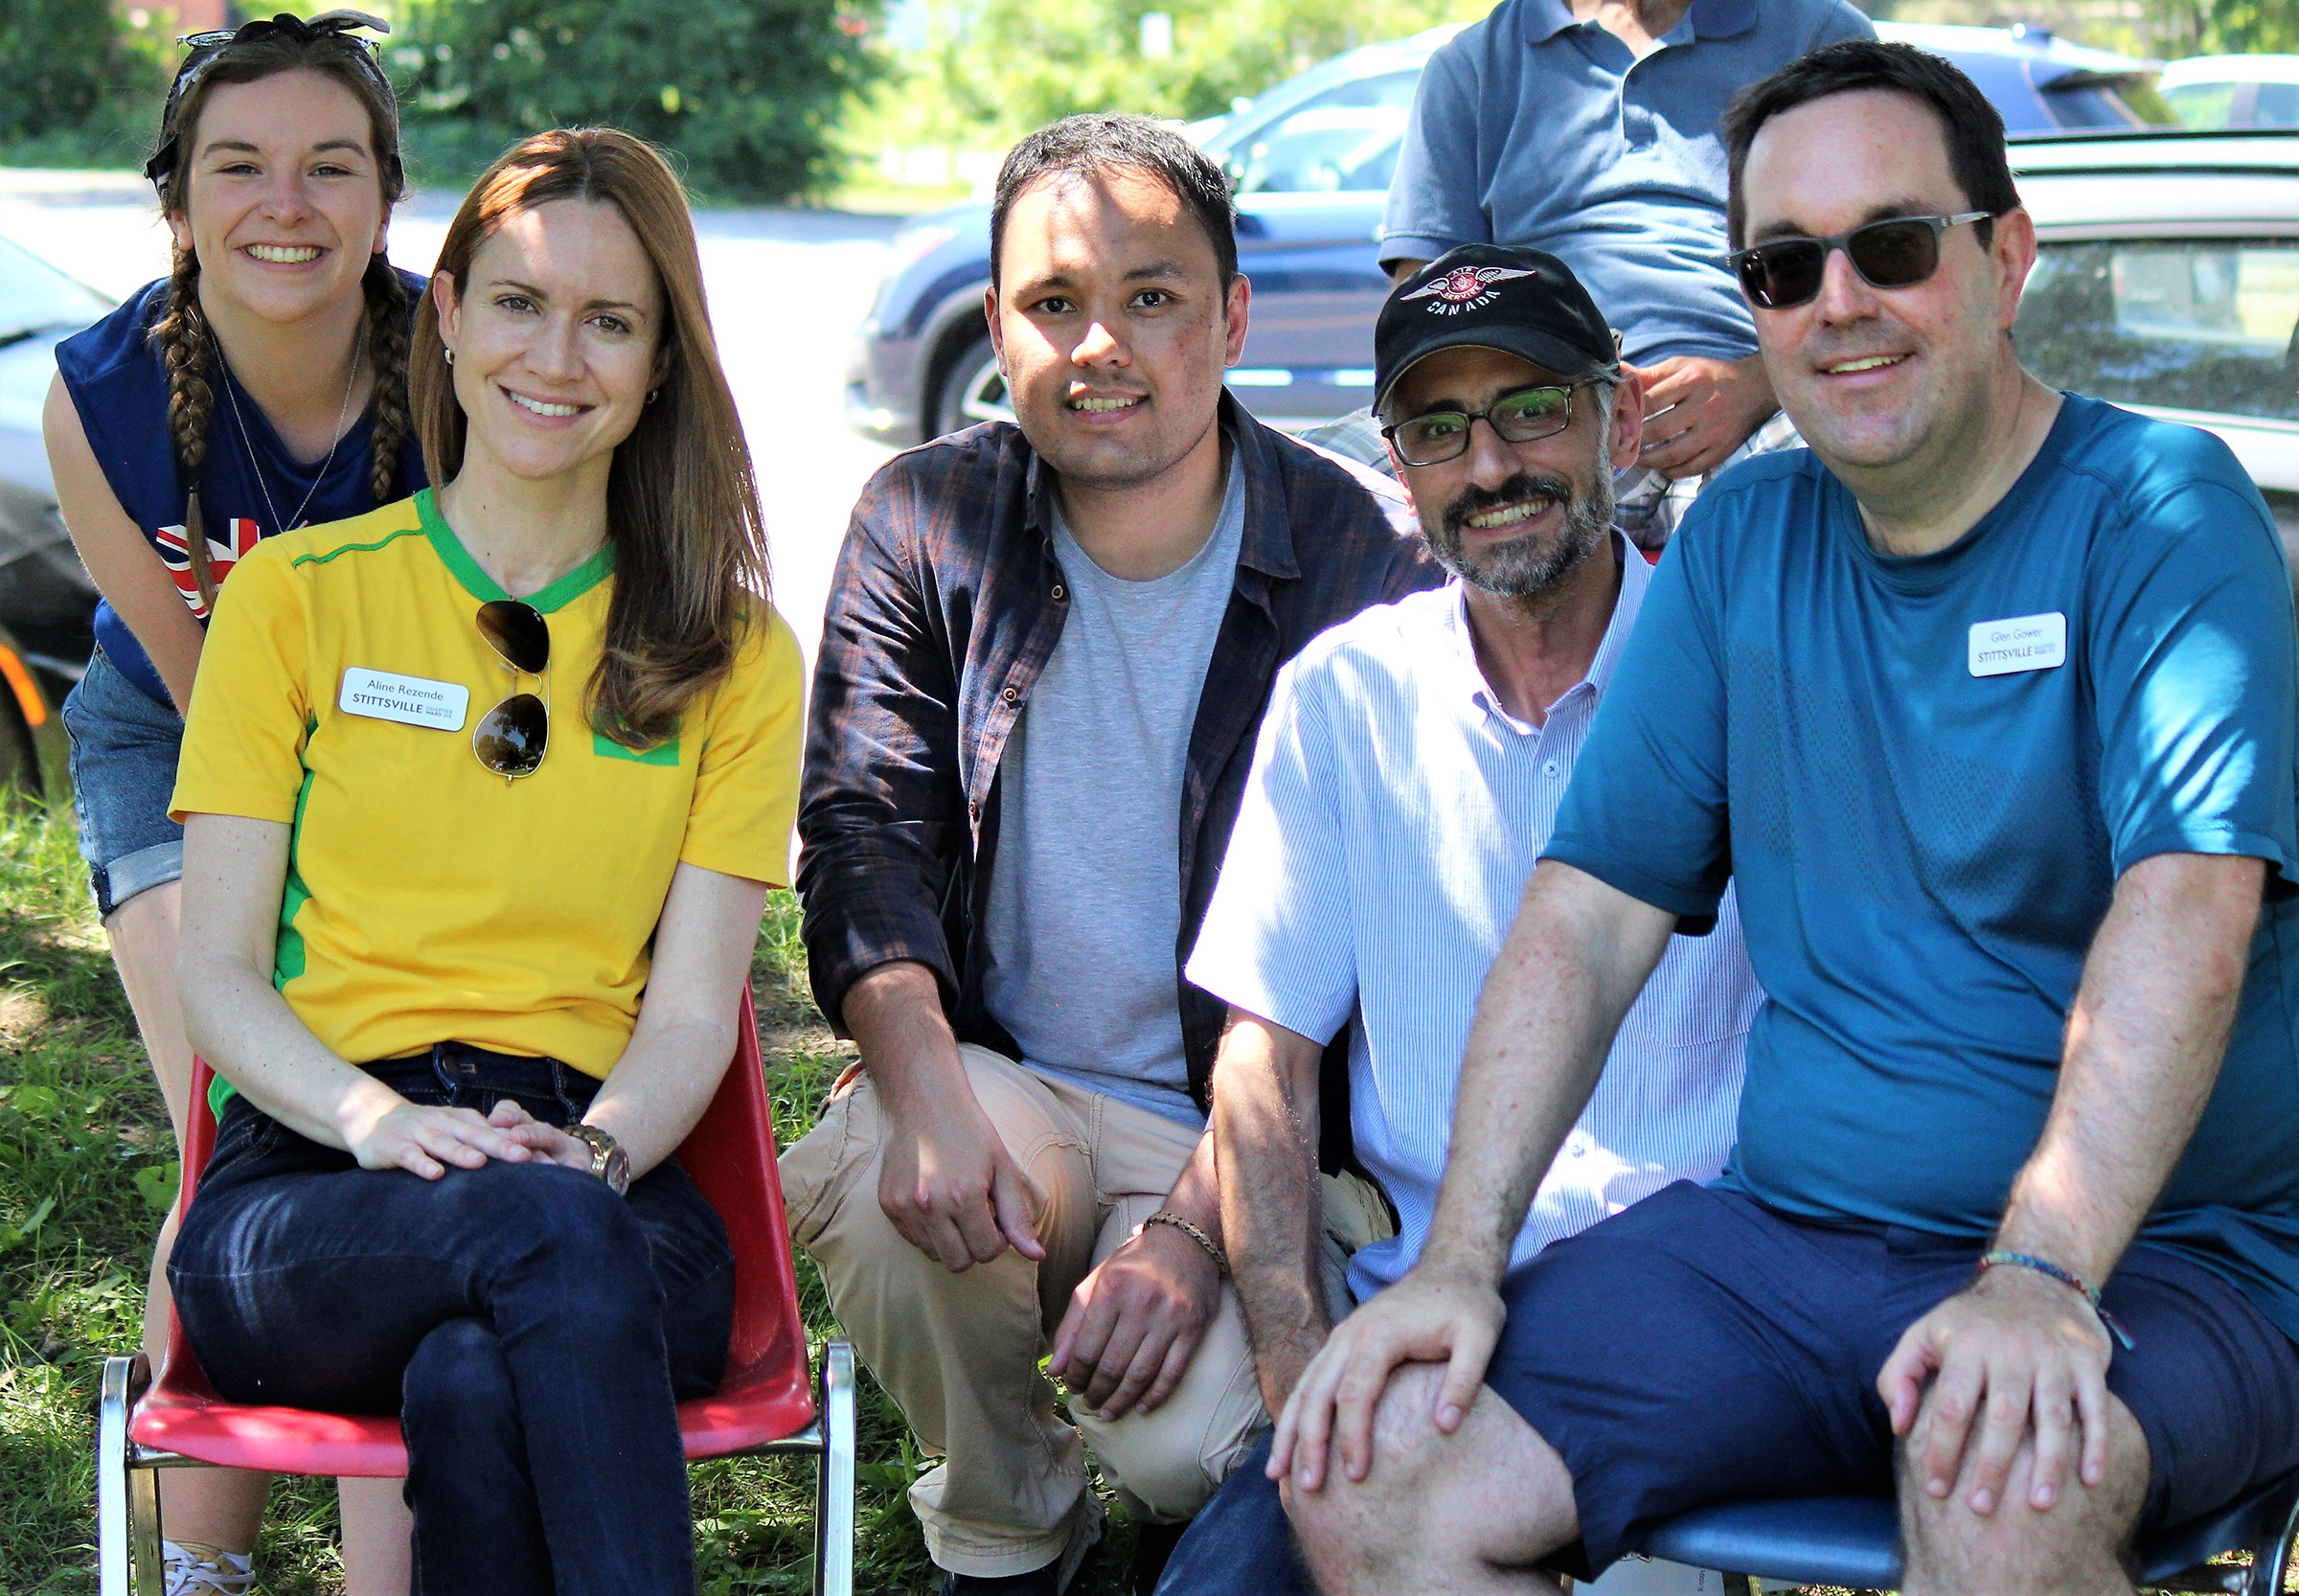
[{"x": 1046, "y": 654}]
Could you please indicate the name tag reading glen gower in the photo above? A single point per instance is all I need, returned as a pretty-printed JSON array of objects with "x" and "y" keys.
[
  {"x": 2022, "y": 642},
  {"x": 410, "y": 700}
]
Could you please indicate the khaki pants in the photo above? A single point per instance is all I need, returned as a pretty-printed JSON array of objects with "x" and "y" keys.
[{"x": 961, "y": 1352}]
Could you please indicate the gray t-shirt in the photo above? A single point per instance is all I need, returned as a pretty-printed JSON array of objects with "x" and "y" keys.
[{"x": 1085, "y": 894}]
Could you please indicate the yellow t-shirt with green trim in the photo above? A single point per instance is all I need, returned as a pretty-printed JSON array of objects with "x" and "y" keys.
[{"x": 427, "y": 899}]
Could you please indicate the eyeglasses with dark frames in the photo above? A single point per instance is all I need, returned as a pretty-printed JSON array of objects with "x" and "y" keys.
[
  {"x": 1523, "y": 416},
  {"x": 1897, "y": 252}
]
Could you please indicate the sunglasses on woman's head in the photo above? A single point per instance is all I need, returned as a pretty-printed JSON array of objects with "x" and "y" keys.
[
  {"x": 205, "y": 50},
  {"x": 512, "y": 738},
  {"x": 1897, "y": 252}
]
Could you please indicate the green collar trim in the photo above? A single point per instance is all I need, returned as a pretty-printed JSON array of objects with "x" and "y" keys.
[{"x": 485, "y": 588}]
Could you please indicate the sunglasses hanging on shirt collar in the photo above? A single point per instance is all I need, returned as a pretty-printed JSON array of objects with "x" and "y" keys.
[{"x": 513, "y": 738}]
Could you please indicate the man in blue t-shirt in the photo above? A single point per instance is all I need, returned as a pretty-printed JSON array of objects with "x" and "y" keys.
[
  {"x": 1986, "y": 706},
  {"x": 1592, "y": 128}
]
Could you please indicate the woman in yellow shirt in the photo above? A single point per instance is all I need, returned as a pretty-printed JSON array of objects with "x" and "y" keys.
[{"x": 481, "y": 794}]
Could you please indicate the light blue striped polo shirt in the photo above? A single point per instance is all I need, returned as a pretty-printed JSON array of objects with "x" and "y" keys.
[{"x": 1393, "y": 814}]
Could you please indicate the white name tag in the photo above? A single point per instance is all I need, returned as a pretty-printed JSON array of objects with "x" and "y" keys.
[
  {"x": 2022, "y": 642},
  {"x": 410, "y": 700}
]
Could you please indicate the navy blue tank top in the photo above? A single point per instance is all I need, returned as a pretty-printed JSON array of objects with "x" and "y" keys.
[{"x": 119, "y": 384}]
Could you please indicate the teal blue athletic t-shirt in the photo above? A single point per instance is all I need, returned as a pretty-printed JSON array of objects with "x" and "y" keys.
[{"x": 1925, "y": 775}]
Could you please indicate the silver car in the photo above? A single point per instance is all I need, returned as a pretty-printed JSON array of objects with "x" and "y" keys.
[{"x": 2168, "y": 282}]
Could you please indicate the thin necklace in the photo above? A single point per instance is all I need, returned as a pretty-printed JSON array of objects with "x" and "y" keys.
[{"x": 231, "y": 390}]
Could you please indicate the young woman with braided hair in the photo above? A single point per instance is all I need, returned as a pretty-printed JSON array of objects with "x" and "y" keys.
[{"x": 261, "y": 386}]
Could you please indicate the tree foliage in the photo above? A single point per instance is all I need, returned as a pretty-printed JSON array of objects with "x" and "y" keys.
[
  {"x": 1004, "y": 66},
  {"x": 2224, "y": 27},
  {"x": 748, "y": 92},
  {"x": 76, "y": 72}
]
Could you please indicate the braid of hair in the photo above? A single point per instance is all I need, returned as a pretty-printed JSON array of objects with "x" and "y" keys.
[
  {"x": 186, "y": 350},
  {"x": 388, "y": 336}
]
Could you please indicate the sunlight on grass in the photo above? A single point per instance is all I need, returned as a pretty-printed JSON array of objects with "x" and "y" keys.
[{"x": 86, "y": 1169}]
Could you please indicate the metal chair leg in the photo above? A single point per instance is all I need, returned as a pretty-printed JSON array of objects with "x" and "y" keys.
[
  {"x": 834, "y": 1478},
  {"x": 144, "y": 1531},
  {"x": 124, "y": 1377},
  {"x": 2270, "y": 1562}
]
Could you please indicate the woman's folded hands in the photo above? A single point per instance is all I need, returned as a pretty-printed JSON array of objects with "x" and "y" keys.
[{"x": 424, "y": 1141}]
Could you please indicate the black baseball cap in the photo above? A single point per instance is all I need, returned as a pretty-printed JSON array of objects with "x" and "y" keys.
[{"x": 1494, "y": 296}]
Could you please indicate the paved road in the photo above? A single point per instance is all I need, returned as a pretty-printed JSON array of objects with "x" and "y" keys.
[{"x": 787, "y": 289}]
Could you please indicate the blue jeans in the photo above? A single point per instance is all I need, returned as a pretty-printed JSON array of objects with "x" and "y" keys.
[
  {"x": 125, "y": 745},
  {"x": 1240, "y": 1543},
  {"x": 532, "y": 1331}
]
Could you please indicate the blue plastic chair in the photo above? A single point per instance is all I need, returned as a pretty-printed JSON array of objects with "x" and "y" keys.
[{"x": 1853, "y": 1541}]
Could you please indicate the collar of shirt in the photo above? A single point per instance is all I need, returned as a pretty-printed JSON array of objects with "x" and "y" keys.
[
  {"x": 1636, "y": 576},
  {"x": 1545, "y": 19}
]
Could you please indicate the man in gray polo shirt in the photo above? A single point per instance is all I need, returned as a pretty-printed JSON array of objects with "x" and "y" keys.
[{"x": 1590, "y": 128}]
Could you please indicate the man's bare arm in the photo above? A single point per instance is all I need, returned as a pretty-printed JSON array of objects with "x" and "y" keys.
[
  {"x": 2016, "y": 1351},
  {"x": 946, "y": 1182},
  {"x": 1578, "y": 955},
  {"x": 1400, "y": 270},
  {"x": 1266, "y": 1125},
  {"x": 1574, "y": 962}
]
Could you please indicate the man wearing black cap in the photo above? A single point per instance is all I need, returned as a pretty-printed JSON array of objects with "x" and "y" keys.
[{"x": 1407, "y": 773}]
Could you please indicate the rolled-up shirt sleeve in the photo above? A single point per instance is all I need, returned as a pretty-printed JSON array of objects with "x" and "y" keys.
[
  {"x": 1435, "y": 200},
  {"x": 1278, "y": 940},
  {"x": 881, "y": 791}
]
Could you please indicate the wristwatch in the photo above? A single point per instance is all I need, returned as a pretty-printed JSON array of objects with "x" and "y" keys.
[{"x": 608, "y": 1161}]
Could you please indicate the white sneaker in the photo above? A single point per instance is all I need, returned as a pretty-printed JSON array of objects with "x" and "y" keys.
[{"x": 195, "y": 1569}]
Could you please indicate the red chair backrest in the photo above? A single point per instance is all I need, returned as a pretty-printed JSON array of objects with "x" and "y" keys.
[{"x": 729, "y": 1155}]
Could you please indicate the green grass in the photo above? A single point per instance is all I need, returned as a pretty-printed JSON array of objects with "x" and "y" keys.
[{"x": 84, "y": 1157}]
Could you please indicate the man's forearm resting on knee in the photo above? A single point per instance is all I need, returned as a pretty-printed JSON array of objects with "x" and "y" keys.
[
  {"x": 1266, "y": 1126},
  {"x": 2021, "y": 1353},
  {"x": 1576, "y": 958},
  {"x": 947, "y": 1182}
]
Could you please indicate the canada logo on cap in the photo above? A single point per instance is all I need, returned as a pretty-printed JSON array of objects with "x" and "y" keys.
[{"x": 1464, "y": 288}]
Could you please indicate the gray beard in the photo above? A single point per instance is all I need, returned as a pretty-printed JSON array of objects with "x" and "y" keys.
[{"x": 1528, "y": 565}]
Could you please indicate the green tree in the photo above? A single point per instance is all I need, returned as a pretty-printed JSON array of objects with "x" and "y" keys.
[
  {"x": 1005, "y": 66},
  {"x": 748, "y": 92},
  {"x": 2223, "y": 27},
  {"x": 76, "y": 76}
]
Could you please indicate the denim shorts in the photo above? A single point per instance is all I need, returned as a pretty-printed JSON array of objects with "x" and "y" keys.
[
  {"x": 1699, "y": 1347},
  {"x": 124, "y": 746}
]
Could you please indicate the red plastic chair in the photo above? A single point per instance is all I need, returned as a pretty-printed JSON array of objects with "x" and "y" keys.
[{"x": 766, "y": 1402}]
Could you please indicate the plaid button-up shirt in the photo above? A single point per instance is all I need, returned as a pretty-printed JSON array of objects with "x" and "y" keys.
[{"x": 947, "y": 603}]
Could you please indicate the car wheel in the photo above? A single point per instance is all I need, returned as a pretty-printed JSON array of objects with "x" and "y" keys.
[{"x": 972, "y": 390}]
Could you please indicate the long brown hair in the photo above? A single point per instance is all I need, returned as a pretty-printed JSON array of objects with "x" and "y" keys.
[
  {"x": 181, "y": 333},
  {"x": 682, "y": 505}
]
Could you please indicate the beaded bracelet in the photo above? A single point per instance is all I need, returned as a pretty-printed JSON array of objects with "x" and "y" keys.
[
  {"x": 2045, "y": 1266},
  {"x": 1213, "y": 1248}
]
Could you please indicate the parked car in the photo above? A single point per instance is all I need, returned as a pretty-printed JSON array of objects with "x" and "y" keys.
[
  {"x": 47, "y": 600},
  {"x": 2168, "y": 281},
  {"x": 1311, "y": 160},
  {"x": 2214, "y": 92}
]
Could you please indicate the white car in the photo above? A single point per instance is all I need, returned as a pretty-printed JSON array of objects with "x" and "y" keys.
[
  {"x": 2168, "y": 282},
  {"x": 2213, "y": 91}
]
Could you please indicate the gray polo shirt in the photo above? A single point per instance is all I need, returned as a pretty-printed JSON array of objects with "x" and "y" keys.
[{"x": 1531, "y": 128}]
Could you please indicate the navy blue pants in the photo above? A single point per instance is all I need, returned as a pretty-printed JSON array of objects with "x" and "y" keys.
[
  {"x": 1700, "y": 1347},
  {"x": 532, "y": 1331}
]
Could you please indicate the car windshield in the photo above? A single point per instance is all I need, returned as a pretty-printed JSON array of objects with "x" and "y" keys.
[
  {"x": 36, "y": 297},
  {"x": 2186, "y": 324},
  {"x": 1343, "y": 140}
]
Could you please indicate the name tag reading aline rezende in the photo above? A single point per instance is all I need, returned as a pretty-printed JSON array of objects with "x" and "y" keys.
[
  {"x": 2022, "y": 642},
  {"x": 410, "y": 700}
]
